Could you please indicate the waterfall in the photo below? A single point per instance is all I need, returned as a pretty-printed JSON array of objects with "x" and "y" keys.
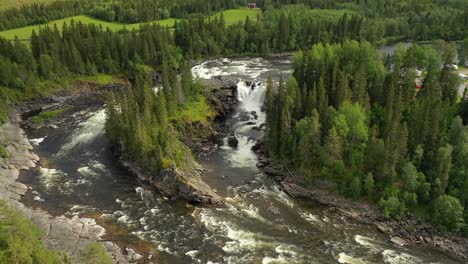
[{"x": 243, "y": 90}]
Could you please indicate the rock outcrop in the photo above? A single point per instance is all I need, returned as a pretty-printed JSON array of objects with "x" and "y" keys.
[
  {"x": 223, "y": 95},
  {"x": 176, "y": 184}
]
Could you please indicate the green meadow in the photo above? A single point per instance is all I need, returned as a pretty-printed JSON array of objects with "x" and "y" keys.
[
  {"x": 24, "y": 33},
  {"x": 231, "y": 16}
]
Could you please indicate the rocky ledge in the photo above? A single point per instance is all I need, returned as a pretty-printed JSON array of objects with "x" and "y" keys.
[
  {"x": 176, "y": 184},
  {"x": 409, "y": 230},
  {"x": 70, "y": 235},
  {"x": 223, "y": 95}
]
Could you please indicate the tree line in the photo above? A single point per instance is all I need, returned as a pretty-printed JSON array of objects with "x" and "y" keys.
[
  {"x": 349, "y": 118},
  {"x": 416, "y": 20}
]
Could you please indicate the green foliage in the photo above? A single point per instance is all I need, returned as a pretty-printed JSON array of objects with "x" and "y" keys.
[
  {"x": 410, "y": 146},
  {"x": 355, "y": 187},
  {"x": 350, "y": 123},
  {"x": 122, "y": 11},
  {"x": 96, "y": 254},
  {"x": 234, "y": 16},
  {"x": 142, "y": 123},
  {"x": 192, "y": 112},
  {"x": 369, "y": 185},
  {"x": 391, "y": 207},
  {"x": 410, "y": 177},
  {"x": 24, "y": 33},
  {"x": 463, "y": 52},
  {"x": 20, "y": 240},
  {"x": 448, "y": 213},
  {"x": 5, "y": 4},
  {"x": 3, "y": 152},
  {"x": 46, "y": 115}
]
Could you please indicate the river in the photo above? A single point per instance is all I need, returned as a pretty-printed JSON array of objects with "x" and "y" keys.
[{"x": 259, "y": 224}]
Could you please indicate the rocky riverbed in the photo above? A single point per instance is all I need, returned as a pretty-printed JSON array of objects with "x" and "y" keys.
[{"x": 63, "y": 233}]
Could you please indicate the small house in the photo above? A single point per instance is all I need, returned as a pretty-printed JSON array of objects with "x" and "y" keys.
[{"x": 251, "y": 5}]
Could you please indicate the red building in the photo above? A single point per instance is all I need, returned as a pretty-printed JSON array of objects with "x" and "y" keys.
[{"x": 251, "y": 5}]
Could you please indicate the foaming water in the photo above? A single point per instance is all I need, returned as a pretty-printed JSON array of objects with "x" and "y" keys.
[
  {"x": 37, "y": 141},
  {"x": 393, "y": 257},
  {"x": 87, "y": 132},
  {"x": 344, "y": 258}
]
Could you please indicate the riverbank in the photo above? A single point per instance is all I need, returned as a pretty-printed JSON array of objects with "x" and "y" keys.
[
  {"x": 65, "y": 234},
  {"x": 410, "y": 230},
  {"x": 71, "y": 233}
]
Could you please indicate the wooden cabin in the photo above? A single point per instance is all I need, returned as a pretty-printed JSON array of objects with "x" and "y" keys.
[{"x": 251, "y": 5}]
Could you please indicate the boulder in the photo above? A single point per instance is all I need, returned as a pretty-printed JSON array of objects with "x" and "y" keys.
[
  {"x": 192, "y": 188},
  {"x": 132, "y": 256},
  {"x": 272, "y": 171},
  {"x": 255, "y": 147},
  {"x": 398, "y": 241},
  {"x": 233, "y": 142}
]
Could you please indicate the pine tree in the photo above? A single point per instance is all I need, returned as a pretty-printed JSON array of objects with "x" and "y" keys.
[{"x": 333, "y": 148}]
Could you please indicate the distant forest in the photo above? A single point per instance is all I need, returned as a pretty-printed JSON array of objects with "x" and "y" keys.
[{"x": 414, "y": 19}]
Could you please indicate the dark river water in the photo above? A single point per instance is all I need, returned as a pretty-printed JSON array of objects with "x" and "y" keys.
[{"x": 259, "y": 224}]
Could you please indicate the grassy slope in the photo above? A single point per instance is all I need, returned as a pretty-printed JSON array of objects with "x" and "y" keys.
[
  {"x": 20, "y": 240},
  {"x": 17, "y": 3},
  {"x": 24, "y": 33},
  {"x": 231, "y": 16}
]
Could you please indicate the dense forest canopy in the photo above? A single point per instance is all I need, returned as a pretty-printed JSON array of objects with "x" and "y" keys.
[{"x": 349, "y": 118}]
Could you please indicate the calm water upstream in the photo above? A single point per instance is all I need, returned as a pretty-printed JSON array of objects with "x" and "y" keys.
[{"x": 259, "y": 224}]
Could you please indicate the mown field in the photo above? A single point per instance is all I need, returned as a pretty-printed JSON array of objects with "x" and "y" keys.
[
  {"x": 17, "y": 3},
  {"x": 231, "y": 16},
  {"x": 24, "y": 33}
]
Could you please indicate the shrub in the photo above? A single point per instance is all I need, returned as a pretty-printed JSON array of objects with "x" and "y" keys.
[
  {"x": 96, "y": 254},
  {"x": 448, "y": 213},
  {"x": 391, "y": 207},
  {"x": 4, "y": 153},
  {"x": 20, "y": 240},
  {"x": 46, "y": 115}
]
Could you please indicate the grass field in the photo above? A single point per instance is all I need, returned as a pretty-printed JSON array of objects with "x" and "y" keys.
[
  {"x": 24, "y": 33},
  {"x": 17, "y": 3},
  {"x": 330, "y": 14},
  {"x": 233, "y": 16}
]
